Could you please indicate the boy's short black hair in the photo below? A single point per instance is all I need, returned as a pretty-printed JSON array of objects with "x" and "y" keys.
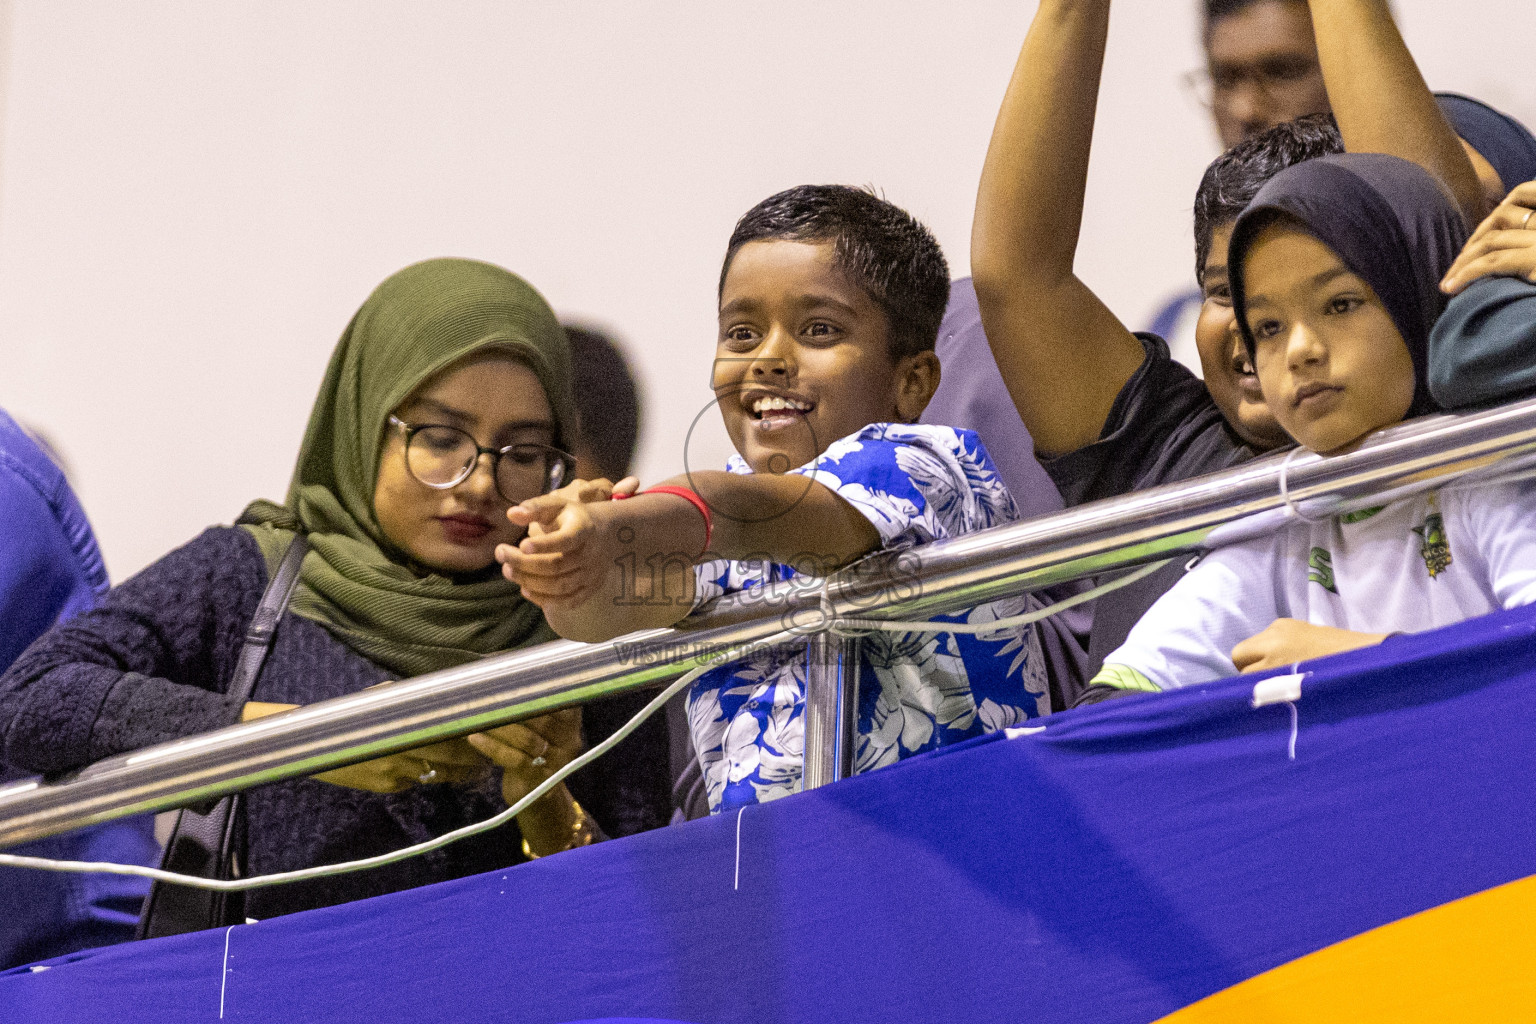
[
  {"x": 1235, "y": 177},
  {"x": 607, "y": 400},
  {"x": 881, "y": 247}
]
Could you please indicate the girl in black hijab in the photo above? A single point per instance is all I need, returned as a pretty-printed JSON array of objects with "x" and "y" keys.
[{"x": 1335, "y": 271}]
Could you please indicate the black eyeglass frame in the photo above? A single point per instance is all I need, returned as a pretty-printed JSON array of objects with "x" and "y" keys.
[
  {"x": 1271, "y": 77},
  {"x": 562, "y": 463}
]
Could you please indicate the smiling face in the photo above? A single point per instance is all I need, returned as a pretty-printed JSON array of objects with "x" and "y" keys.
[
  {"x": 1224, "y": 363},
  {"x": 1329, "y": 356},
  {"x": 498, "y": 401},
  {"x": 804, "y": 357}
]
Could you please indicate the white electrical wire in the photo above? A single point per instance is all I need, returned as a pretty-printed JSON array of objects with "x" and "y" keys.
[
  {"x": 328, "y": 870},
  {"x": 394, "y": 857}
]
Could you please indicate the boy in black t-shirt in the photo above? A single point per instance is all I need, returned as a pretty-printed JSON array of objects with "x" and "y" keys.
[{"x": 1166, "y": 424}]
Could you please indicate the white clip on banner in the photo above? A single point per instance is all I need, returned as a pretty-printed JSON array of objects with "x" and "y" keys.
[{"x": 1277, "y": 689}]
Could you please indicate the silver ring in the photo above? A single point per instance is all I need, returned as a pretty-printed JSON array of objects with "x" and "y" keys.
[
  {"x": 1526, "y": 223},
  {"x": 539, "y": 762}
]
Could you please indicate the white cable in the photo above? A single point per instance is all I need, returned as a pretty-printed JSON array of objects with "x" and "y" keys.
[
  {"x": 394, "y": 857},
  {"x": 997, "y": 625},
  {"x": 327, "y": 870},
  {"x": 1285, "y": 488}
]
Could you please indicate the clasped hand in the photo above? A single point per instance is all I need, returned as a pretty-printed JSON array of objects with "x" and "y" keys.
[{"x": 527, "y": 752}]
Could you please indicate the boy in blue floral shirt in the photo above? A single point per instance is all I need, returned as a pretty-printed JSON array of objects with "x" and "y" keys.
[{"x": 830, "y": 303}]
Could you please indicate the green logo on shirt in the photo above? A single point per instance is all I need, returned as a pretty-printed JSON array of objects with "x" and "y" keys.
[
  {"x": 1320, "y": 569},
  {"x": 1360, "y": 516},
  {"x": 1434, "y": 548}
]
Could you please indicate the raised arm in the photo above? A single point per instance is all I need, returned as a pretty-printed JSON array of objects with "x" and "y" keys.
[
  {"x": 1380, "y": 100},
  {"x": 603, "y": 569},
  {"x": 1062, "y": 353}
]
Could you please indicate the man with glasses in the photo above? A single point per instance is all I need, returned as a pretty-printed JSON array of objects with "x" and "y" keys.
[
  {"x": 1261, "y": 69},
  {"x": 1261, "y": 66}
]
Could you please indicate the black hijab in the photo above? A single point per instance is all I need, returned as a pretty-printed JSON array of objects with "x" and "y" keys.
[{"x": 1390, "y": 222}]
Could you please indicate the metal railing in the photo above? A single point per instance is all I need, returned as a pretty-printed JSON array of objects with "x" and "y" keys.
[{"x": 942, "y": 577}]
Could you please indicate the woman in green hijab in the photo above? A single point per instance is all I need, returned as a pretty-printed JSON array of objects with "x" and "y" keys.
[{"x": 446, "y": 402}]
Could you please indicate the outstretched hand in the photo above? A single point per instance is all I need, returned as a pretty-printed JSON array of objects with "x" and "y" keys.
[
  {"x": 566, "y": 556},
  {"x": 1504, "y": 244},
  {"x": 1287, "y": 641}
]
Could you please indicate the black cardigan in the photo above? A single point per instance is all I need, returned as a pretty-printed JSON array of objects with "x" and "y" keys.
[{"x": 151, "y": 663}]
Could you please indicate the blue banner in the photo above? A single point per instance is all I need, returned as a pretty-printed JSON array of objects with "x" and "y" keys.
[{"x": 1185, "y": 855}]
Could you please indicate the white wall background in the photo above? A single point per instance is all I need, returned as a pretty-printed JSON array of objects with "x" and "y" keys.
[{"x": 194, "y": 196}]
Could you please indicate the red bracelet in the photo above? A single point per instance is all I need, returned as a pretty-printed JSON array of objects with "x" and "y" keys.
[{"x": 689, "y": 496}]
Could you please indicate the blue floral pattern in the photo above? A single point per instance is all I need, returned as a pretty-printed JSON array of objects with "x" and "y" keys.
[{"x": 916, "y": 484}]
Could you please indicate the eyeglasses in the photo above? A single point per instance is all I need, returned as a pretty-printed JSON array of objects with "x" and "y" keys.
[
  {"x": 444, "y": 457},
  {"x": 1272, "y": 77}
]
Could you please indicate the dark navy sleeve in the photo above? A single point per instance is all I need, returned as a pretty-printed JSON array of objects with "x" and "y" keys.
[
  {"x": 1483, "y": 348},
  {"x": 39, "y": 575},
  {"x": 51, "y": 570},
  {"x": 145, "y": 666}
]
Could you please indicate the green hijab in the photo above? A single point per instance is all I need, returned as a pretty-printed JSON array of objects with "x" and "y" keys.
[{"x": 353, "y": 581}]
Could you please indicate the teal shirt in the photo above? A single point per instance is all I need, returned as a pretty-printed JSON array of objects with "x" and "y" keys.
[{"x": 1483, "y": 349}]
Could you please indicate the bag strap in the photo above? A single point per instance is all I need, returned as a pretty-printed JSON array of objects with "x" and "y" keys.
[
  {"x": 209, "y": 837},
  {"x": 258, "y": 639}
]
